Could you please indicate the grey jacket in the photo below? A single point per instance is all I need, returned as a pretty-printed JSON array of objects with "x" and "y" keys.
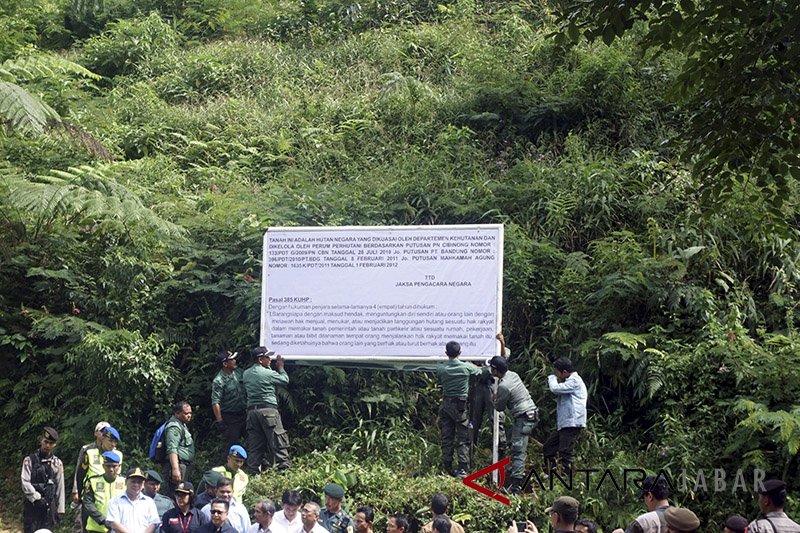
[{"x": 512, "y": 393}]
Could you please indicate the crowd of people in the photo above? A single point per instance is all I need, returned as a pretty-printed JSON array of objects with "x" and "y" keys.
[
  {"x": 246, "y": 409},
  {"x": 133, "y": 503},
  {"x": 663, "y": 517}
]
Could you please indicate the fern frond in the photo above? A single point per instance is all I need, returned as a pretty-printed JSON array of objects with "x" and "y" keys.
[
  {"x": 631, "y": 341},
  {"x": 87, "y": 194},
  {"x": 34, "y": 66},
  {"x": 25, "y": 111}
]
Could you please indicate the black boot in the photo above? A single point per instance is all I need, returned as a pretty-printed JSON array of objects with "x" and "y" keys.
[
  {"x": 461, "y": 472},
  {"x": 550, "y": 466},
  {"x": 516, "y": 486}
]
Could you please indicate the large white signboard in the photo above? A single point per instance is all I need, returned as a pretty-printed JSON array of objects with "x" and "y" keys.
[{"x": 389, "y": 293}]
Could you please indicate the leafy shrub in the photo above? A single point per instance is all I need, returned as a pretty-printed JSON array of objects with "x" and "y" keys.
[{"x": 126, "y": 43}]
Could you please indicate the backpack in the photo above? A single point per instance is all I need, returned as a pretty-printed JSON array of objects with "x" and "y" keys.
[{"x": 158, "y": 448}]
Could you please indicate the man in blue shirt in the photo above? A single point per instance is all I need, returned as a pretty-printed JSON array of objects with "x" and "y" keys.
[{"x": 571, "y": 397}]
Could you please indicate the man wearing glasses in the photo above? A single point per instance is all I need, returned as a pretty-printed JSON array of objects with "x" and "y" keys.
[
  {"x": 310, "y": 518},
  {"x": 236, "y": 512},
  {"x": 563, "y": 514},
  {"x": 219, "y": 518}
]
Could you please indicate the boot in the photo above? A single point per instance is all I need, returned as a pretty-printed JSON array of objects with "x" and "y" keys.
[
  {"x": 566, "y": 467},
  {"x": 448, "y": 468},
  {"x": 461, "y": 472},
  {"x": 549, "y": 467}
]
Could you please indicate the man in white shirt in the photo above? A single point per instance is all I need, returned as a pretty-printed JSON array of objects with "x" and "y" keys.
[
  {"x": 264, "y": 512},
  {"x": 289, "y": 515},
  {"x": 132, "y": 511},
  {"x": 237, "y": 513},
  {"x": 310, "y": 518}
]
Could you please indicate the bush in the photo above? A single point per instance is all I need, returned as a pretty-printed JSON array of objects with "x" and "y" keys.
[
  {"x": 126, "y": 43},
  {"x": 371, "y": 480}
]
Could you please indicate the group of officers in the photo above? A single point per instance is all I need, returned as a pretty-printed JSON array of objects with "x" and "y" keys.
[
  {"x": 106, "y": 501},
  {"x": 109, "y": 501},
  {"x": 239, "y": 400},
  {"x": 508, "y": 393}
]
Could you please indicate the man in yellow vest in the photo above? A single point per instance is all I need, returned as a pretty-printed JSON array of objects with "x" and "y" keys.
[
  {"x": 80, "y": 475},
  {"x": 99, "y": 491},
  {"x": 233, "y": 471},
  {"x": 94, "y": 464}
]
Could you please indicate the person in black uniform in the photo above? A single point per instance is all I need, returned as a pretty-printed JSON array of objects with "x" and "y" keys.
[
  {"x": 43, "y": 485},
  {"x": 185, "y": 518}
]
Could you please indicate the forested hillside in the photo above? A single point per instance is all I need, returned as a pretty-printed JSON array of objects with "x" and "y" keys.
[{"x": 148, "y": 144}]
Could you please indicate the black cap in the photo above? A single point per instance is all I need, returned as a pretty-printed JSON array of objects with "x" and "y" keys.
[
  {"x": 736, "y": 523},
  {"x": 225, "y": 355},
  {"x": 772, "y": 485},
  {"x": 135, "y": 472},
  {"x": 152, "y": 475},
  {"x": 185, "y": 487},
  {"x": 499, "y": 363},
  {"x": 50, "y": 433},
  {"x": 262, "y": 351}
]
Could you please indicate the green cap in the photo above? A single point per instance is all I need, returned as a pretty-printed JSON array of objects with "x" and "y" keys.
[
  {"x": 680, "y": 519},
  {"x": 562, "y": 504},
  {"x": 334, "y": 490},
  {"x": 211, "y": 477}
]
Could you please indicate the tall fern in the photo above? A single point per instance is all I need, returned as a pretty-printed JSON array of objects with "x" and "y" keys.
[
  {"x": 79, "y": 195},
  {"x": 23, "y": 110}
]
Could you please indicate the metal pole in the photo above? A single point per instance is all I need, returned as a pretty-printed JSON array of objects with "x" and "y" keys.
[{"x": 495, "y": 432}]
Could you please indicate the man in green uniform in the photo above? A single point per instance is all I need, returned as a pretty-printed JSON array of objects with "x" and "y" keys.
[
  {"x": 334, "y": 518},
  {"x": 179, "y": 446},
  {"x": 454, "y": 377},
  {"x": 264, "y": 427},
  {"x": 228, "y": 400},
  {"x": 233, "y": 470},
  {"x": 152, "y": 484},
  {"x": 209, "y": 483},
  {"x": 99, "y": 490},
  {"x": 511, "y": 393}
]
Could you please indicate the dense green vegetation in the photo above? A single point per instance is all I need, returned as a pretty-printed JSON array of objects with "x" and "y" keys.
[{"x": 148, "y": 145}]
